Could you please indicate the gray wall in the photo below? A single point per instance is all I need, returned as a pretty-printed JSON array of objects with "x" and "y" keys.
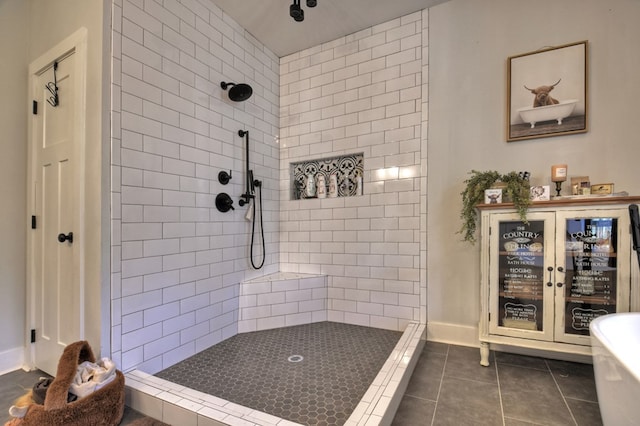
[
  {"x": 469, "y": 44},
  {"x": 13, "y": 191}
]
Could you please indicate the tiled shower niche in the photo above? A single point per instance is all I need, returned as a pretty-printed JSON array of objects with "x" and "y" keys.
[{"x": 347, "y": 168}]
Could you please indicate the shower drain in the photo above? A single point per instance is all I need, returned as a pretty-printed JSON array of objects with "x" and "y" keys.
[{"x": 295, "y": 358}]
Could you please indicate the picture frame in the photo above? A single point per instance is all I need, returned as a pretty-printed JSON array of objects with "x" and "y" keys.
[
  {"x": 493, "y": 196},
  {"x": 602, "y": 189},
  {"x": 547, "y": 92},
  {"x": 580, "y": 185},
  {"x": 540, "y": 193}
]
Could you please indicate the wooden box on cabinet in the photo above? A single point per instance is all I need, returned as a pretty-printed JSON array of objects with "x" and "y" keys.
[{"x": 543, "y": 281}]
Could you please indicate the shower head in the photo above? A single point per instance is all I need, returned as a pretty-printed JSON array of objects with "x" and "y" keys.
[
  {"x": 237, "y": 92},
  {"x": 296, "y": 12}
]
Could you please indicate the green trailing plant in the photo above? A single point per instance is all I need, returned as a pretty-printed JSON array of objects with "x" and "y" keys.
[
  {"x": 515, "y": 190},
  {"x": 518, "y": 192}
]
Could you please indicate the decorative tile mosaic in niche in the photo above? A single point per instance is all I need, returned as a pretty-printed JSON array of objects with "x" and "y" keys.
[{"x": 347, "y": 168}]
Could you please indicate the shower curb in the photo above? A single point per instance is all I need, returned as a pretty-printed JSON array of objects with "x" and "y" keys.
[{"x": 179, "y": 405}]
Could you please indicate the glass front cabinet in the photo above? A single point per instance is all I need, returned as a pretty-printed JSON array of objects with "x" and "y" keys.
[{"x": 544, "y": 281}]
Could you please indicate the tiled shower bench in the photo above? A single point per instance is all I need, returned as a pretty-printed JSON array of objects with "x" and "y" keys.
[{"x": 282, "y": 299}]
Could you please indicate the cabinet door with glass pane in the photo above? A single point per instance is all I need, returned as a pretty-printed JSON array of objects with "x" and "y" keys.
[
  {"x": 593, "y": 270},
  {"x": 521, "y": 272}
]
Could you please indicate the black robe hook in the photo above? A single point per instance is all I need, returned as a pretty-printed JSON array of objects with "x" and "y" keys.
[{"x": 52, "y": 87}]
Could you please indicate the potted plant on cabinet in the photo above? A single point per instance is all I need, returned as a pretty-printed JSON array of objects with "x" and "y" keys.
[{"x": 515, "y": 190}]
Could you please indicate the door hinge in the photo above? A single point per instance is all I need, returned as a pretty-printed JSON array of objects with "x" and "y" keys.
[
  {"x": 35, "y": 107},
  {"x": 33, "y": 222},
  {"x": 33, "y": 335}
]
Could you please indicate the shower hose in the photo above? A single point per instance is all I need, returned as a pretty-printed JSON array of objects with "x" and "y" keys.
[{"x": 258, "y": 184}]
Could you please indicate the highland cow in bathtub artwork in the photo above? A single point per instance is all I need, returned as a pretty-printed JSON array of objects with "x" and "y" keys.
[
  {"x": 543, "y": 95},
  {"x": 547, "y": 92}
]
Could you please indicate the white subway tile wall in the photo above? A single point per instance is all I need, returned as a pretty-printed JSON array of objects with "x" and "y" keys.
[
  {"x": 365, "y": 92},
  {"x": 178, "y": 263},
  {"x": 282, "y": 299}
]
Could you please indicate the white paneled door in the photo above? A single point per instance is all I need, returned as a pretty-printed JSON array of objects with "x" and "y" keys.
[{"x": 56, "y": 287}]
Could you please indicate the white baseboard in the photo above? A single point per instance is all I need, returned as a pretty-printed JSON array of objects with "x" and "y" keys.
[
  {"x": 454, "y": 334},
  {"x": 461, "y": 335},
  {"x": 11, "y": 360}
]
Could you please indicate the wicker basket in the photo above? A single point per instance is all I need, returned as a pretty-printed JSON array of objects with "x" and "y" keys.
[{"x": 105, "y": 406}]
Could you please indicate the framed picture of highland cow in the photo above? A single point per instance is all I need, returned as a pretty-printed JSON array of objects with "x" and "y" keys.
[{"x": 547, "y": 92}]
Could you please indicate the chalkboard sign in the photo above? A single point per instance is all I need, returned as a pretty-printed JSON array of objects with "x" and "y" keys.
[
  {"x": 521, "y": 274},
  {"x": 591, "y": 271}
]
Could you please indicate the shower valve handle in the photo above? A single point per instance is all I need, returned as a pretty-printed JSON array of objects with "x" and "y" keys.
[
  {"x": 224, "y": 203},
  {"x": 224, "y": 177}
]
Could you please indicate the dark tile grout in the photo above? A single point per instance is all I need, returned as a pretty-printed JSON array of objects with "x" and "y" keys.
[
  {"x": 495, "y": 366},
  {"x": 564, "y": 398},
  {"x": 444, "y": 367}
]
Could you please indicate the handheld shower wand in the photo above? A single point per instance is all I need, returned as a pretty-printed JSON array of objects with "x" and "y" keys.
[{"x": 249, "y": 198}]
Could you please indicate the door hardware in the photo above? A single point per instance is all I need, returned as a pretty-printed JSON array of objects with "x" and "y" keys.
[{"x": 62, "y": 238}]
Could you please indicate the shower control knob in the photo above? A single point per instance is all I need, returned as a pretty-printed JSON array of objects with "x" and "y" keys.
[
  {"x": 224, "y": 203},
  {"x": 224, "y": 177}
]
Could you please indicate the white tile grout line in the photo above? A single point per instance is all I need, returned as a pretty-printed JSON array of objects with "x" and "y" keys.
[{"x": 376, "y": 400}]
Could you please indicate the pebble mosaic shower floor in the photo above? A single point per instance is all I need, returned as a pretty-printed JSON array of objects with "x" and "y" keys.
[{"x": 312, "y": 374}]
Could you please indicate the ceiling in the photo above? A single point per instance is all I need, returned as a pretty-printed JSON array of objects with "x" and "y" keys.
[{"x": 269, "y": 20}]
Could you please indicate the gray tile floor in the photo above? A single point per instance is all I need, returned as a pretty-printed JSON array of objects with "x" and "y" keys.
[
  {"x": 449, "y": 387},
  {"x": 336, "y": 364}
]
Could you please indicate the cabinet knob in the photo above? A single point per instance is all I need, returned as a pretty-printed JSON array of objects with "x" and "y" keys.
[
  {"x": 559, "y": 284},
  {"x": 560, "y": 269},
  {"x": 549, "y": 268},
  {"x": 549, "y": 284}
]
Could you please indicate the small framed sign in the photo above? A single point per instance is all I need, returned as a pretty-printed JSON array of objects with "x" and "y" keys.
[
  {"x": 540, "y": 193},
  {"x": 493, "y": 196},
  {"x": 602, "y": 189},
  {"x": 580, "y": 185}
]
